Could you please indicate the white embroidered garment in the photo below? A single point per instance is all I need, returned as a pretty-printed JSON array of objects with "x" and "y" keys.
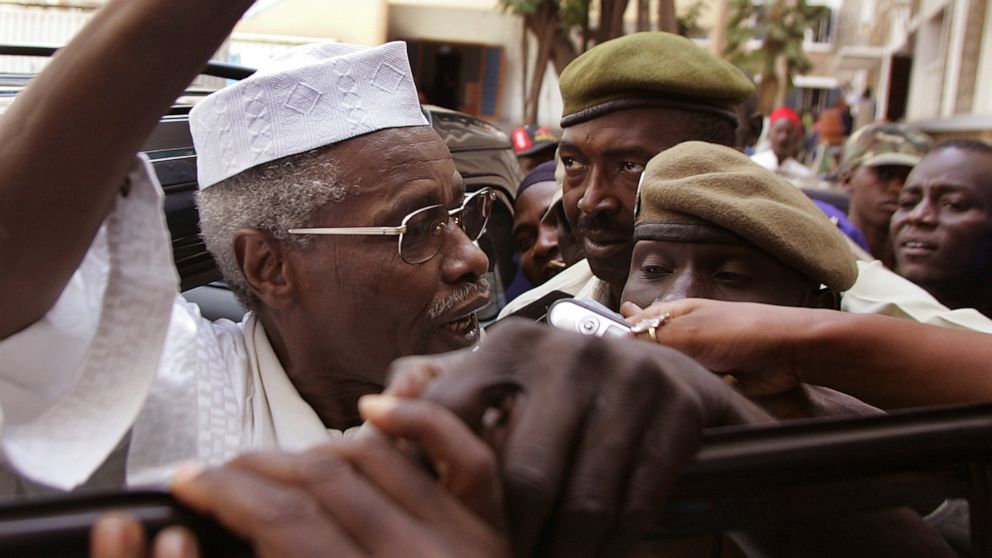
[
  {"x": 72, "y": 383},
  {"x": 120, "y": 350}
]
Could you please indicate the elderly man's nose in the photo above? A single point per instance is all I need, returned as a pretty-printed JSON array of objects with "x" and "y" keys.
[{"x": 463, "y": 259}]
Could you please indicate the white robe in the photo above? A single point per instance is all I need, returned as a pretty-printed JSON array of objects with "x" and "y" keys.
[
  {"x": 122, "y": 352},
  {"x": 790, "y": 168}
]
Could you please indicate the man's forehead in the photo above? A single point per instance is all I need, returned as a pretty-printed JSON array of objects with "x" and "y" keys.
[
  {"x": 396, "y": 155},
  {"x": 652, "y": 130},
  {"x": 953, "y": 167},
  {"x": 534, "y": 202},
  {"x": 643, "y": 118}
]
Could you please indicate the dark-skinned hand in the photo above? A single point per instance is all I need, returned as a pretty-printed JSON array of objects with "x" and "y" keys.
[
  {"x": 362, "y": 497},
  {"x": 747, "y": 341},
  {"x": 591, "y": 434}
]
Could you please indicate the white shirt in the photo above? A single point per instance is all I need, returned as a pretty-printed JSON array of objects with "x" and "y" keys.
[
  {"x": 789, "y": 168},
  {"x": 121, "y": 351}
]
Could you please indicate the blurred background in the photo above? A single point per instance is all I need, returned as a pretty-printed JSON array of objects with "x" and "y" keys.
[{"x": 925, "y": 62}]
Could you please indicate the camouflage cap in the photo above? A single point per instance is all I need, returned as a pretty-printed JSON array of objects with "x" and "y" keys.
[
  {"x": 650, "y": 69},
  {"x": 885, "y": 144}
]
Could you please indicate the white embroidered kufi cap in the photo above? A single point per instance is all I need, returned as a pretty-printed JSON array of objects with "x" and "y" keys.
[{"x": 309, "y": 97}]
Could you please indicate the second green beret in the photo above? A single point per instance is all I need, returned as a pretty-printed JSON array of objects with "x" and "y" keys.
[{"x": 723, "y": 187}]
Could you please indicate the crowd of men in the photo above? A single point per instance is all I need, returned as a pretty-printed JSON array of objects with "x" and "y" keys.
[{"x": 357, "y": 347}]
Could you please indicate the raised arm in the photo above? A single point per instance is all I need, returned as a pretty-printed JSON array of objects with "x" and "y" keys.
[
  {"x": 68, "y": 140},
  {"x": 887, "y": 362}
]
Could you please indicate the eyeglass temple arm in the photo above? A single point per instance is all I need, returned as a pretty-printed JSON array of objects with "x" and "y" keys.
[{"x": 385, "y": 231}]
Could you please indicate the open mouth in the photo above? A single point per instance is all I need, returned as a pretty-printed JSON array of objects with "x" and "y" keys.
[
  {"x": 462, "y": 328},
  {"x": 466, "y": 328},
  {"x": 917, "y": 247}
]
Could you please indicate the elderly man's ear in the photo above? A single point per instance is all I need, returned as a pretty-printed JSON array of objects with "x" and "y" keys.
[{"x": 264, "y": 264}]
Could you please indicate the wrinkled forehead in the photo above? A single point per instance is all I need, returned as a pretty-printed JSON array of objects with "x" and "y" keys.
[{"x": 396, "y": 160}]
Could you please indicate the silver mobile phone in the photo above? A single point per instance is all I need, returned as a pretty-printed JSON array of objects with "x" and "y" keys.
[{"x": 587, "y": 317}]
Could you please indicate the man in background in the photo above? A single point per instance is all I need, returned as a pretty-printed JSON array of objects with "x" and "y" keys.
[
  {"x": 620, "y": 109},
  {"x": 942, "y": 228},
  {"x": 785, "y": 134},
  {"x": 536, "y": 239},
  {"x": 877, "y": 159}
]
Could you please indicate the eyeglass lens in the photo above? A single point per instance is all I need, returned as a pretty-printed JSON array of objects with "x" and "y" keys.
[{"x": 425, "y": 229}]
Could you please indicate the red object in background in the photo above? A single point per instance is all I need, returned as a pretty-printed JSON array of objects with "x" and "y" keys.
[
  {"x": 521, "y": 140},
  {"x": 531, "y": 139},
  {"x": 786, "y": 113}
]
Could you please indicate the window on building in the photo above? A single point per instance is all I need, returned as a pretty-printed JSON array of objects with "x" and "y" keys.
[{"x": 458, "y": 76}]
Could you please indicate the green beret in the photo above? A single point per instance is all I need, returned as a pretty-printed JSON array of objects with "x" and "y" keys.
[
  {"x": 650, "y": 69},
  {"x": 700, "y": 182}
]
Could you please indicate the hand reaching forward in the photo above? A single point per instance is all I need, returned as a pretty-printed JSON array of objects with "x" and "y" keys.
[
  {"x": 591, "y": 434},
  {"x": 755, "y": 343},
  {"x": 362, "y": 497}
]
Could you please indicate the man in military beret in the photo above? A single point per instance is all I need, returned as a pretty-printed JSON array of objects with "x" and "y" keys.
[
  {"x": 621, "y": 107},
  {"x": 877, "y": 159},
  {"x": 631, "y": 98},
  {"x": 713, "y": 224}
]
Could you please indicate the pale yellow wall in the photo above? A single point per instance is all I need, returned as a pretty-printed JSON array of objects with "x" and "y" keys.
[
  {"x": 983, "y": 85},
  {"x": 349, "y": 21}
]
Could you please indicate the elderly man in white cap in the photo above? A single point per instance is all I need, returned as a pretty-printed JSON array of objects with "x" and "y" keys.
[{"x": 335, "y": 213}]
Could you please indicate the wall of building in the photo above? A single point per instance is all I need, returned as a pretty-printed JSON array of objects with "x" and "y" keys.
[
  {"x": 341, "y": 20},
  {"x": 487, "y": 27},
  {"x": 951, "y": 56},
  {"x": 37, "y": 25},
  {"x": 983, "y": 87}
]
